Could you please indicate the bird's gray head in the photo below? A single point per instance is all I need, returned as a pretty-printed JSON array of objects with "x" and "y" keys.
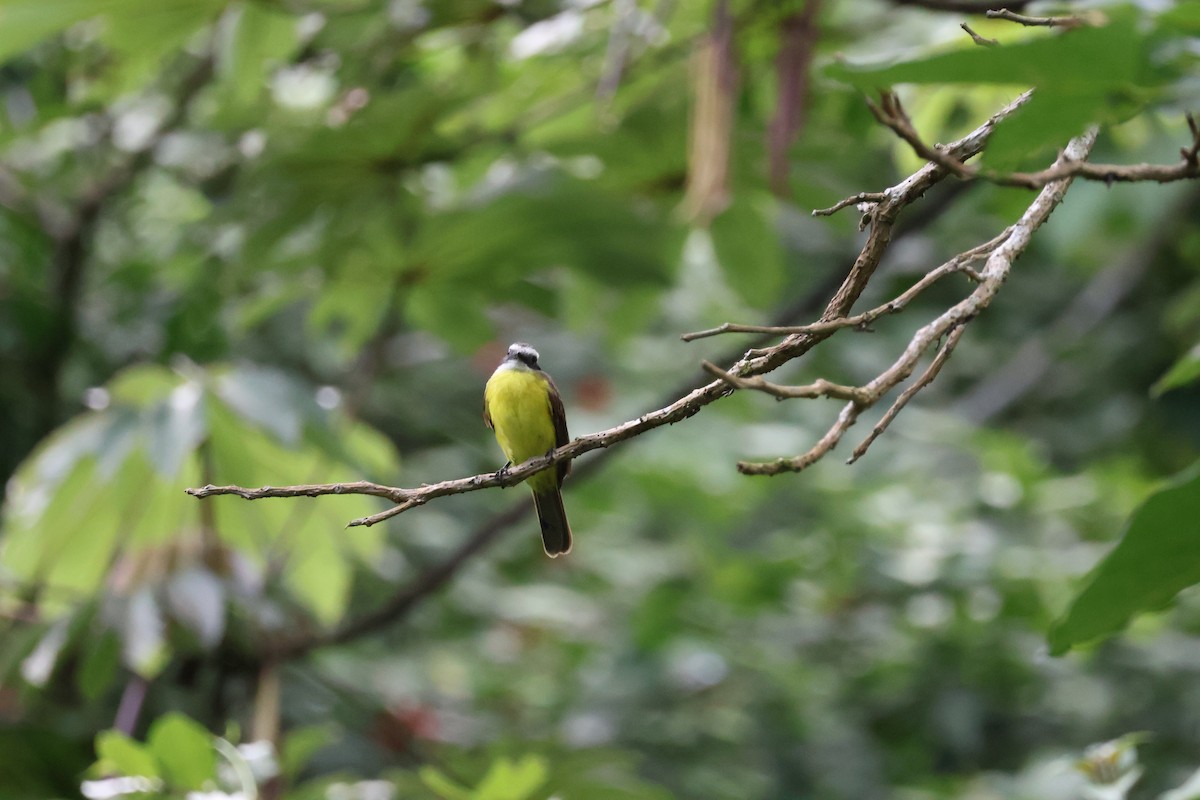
[{"x": 523, "y": 354}]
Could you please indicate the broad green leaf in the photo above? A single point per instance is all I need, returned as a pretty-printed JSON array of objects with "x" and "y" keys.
[
  {"x": 372, "y": 451},
  {"x": 319, "y": 573},
  {"x": 1157, "y": 557},
  {"x": 1051, "y": 117},
  {"x": 23, "y": 23},
  {"x": 99, "y": 668},
  {"x": 1081, "y": 77},
  {"x": 184, "y": 750},
  {"x": 452, "y": 311},
  {"x": 141, "y": 385},
  {"x": 508, "y": 780},
  {"x": 256, "y": 40},
  {"x": 142, "y": 35},
  {"x": 301, "y": 744},
  {"x": 537, "y": 219},
  {"x": 116, "y": 752},
  {"x": 1183, "y": 18},
  {"x": 267, "y": 398},
  {"x": 445, "y": 788},
  {"x": 176, "y": 427},
  {"x": 1184, "y": 371},
  {"x": 657, "y": 616},
  {"x": 354, "y": 302},
  {"x": 749, "y": 251},
  {"x": 1084, "y": 59}
]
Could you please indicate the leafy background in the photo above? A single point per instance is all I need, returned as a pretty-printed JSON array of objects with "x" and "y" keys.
[{"x": 272, "y": 243}]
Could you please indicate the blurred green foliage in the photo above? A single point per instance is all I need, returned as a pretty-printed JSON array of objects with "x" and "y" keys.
[{"x": 285, "y": 242}]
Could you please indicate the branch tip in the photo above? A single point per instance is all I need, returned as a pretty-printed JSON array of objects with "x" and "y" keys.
[{"x": 982, "y": 41}]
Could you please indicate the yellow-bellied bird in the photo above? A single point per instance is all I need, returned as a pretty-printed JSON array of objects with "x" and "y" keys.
[{"x": 522, "y": 405}]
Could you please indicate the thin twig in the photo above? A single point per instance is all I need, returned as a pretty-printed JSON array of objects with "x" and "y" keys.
[
  {"x": 818, "y": 388},
  {"x": 982, "y": 41},
  {"x": 846, "y": 419},
  {"x": 891, "y": 113},
  {"x": 994, "y": 274},
  {"x": 1046, "y": 22},
  {"x": 960, "y": 6},
  {"x": 861, "y": 197},
  {"x": 960, "y": 263},
  {"x": 1033, "y": 359},
  {"x": 926, "y": 378}
]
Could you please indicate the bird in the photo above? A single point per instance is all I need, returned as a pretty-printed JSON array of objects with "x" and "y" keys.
[{"x": 522, "y": 406}]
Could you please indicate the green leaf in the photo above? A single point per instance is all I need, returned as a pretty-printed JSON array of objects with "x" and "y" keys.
[
  {"x": 352, "y": 303},
  {"x": 1081, "y": 78},
  {"x": 257, "y": 39},
  {"x": 1183, "y": 18},
  {"x": 117, "y": 753},
  {"x": 1158, "y": 556},
  {"x": 453, "y": 311},
  {"x": 749, "y": 251},
  {"x": 269, "y": 399},
  {"x": 184, "y": 750},
  {"x": 445, "y": 788},
  {"x": 142, "y": 385},
  {"x": 656, "y": 619},
  {"x": 540, "y": 219},
  {"x": 1184, "y": 371},
  {"x": 1083, "y": 59},
  {"x": 300, "y": 746},
  {"x": 176, "y": 426},
  {"x": 99, "y": 667},
  {"x": 143, "y": 34},
  {"x": 1047, "y": 120},
  {"x": 318, "y": 572},
  {"x": 23, "y": 23},
  {"x": 506, "y": 780}
]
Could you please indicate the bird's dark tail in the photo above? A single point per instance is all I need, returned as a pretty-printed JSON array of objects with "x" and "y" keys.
[{"x": 556, "y": 531}]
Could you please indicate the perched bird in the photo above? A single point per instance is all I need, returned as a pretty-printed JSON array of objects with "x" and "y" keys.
[{"x": 522, "y": 405}]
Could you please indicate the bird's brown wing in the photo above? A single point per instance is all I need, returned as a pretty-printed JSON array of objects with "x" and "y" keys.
[{"x": 559, "y": 415}]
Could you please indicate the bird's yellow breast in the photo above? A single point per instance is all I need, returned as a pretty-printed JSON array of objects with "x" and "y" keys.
[{"x": 518, "y": 402}]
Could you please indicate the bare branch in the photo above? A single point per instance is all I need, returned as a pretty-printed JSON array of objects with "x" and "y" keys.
[
  {"x": 846, "y": 418},
  {"x": 819, "y": 388},
  {"x": 982, "y": 41},
  {"x": 1031, "y": 361},
  {"x": 1094, "y": 18},
  {"x": 960, "y": 6},
  {"x": 1108, "y": 173},
  {"x": 860, "y": 198},
  {"x": 999, "y": 263},
  {"x": 891, "y": 113},
  {"x": 926, "y": 378},
  {"x": 960, "y": 263}
]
